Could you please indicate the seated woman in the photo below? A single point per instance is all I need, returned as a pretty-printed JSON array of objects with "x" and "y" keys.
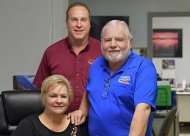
[{"x": 56, "y": 96}]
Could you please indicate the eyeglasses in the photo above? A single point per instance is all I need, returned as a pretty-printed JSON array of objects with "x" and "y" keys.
[{"x": 106, "y": 87}]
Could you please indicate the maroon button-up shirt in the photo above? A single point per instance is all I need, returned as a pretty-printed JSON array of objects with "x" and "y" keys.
[{"x": 59, "y": 58}]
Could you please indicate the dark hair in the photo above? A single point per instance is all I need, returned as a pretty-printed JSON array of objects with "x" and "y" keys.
[{"x": 76, "y": 4}]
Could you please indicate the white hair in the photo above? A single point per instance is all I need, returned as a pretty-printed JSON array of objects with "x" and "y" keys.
[{"x": 115, "y": 22}]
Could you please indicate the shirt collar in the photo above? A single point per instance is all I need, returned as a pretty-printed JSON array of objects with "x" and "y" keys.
[{"x": 69, "y": 44}]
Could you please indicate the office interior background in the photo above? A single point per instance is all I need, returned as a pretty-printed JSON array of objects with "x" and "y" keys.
[{"x": 29, "y": 27}]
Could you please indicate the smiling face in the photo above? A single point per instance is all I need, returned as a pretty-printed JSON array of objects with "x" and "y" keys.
[
  {"x": 78, "y": 23},
  {"x": 115, "y": 42},
  {"x": 56, "y": 100}
]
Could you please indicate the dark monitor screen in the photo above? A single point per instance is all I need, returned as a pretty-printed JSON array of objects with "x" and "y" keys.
[{"x": 97, "y": 23}]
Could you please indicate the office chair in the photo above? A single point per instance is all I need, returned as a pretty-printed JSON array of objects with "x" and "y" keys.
[{"x": 167, "y": 123}]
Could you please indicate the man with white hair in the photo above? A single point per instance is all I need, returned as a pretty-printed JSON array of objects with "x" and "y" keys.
[{"x": 122, "y": 88}]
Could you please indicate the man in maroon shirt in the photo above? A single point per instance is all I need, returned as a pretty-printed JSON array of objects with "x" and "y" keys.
[{"x": 73, "y": 55}]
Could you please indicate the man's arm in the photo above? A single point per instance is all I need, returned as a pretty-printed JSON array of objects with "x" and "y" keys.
[
  {"x": 140, "y": 120},
  {"x": 84, "y": 104},
  {"x": 79, "y": 116}
]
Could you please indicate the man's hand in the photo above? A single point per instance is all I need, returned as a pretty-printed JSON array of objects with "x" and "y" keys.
[{"x": 77, "y": 117}]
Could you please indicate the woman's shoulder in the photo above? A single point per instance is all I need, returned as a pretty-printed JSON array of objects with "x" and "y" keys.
[{"x": 30, "y": 119}]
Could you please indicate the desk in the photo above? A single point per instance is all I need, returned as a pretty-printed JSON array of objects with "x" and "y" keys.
[
  {"x": 183, "y": 102},
  {"x": 159, "y": 118}
]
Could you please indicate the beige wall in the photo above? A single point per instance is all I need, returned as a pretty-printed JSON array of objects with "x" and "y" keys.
[
  {"x": 24, "y": 35},
  {"x": 182, "y": 67}
]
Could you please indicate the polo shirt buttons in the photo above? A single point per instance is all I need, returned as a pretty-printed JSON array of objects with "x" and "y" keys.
[
  {"x": 77, "y": 86},
  {"x": 77, "y": 74},
  {"x": 77, "y": 99}
]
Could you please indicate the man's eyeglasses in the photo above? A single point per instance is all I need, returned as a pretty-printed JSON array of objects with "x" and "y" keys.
[{"x": 106, "y": 87}]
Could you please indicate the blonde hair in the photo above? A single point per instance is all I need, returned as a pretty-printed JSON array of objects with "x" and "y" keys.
[{"x": 53, "y": 81}]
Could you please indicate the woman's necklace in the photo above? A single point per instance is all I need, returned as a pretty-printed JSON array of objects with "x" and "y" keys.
[{"x": 74, "y": 131}]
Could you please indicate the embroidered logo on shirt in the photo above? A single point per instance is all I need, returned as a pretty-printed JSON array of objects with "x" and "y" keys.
[
  {"x": 90, "y": 61},
  {"x": 124, "y": 79}
]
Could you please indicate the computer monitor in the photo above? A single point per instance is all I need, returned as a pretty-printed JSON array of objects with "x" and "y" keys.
[
  {"x": 164, "y": 98},
  {"x": 97, "y": 23}
]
